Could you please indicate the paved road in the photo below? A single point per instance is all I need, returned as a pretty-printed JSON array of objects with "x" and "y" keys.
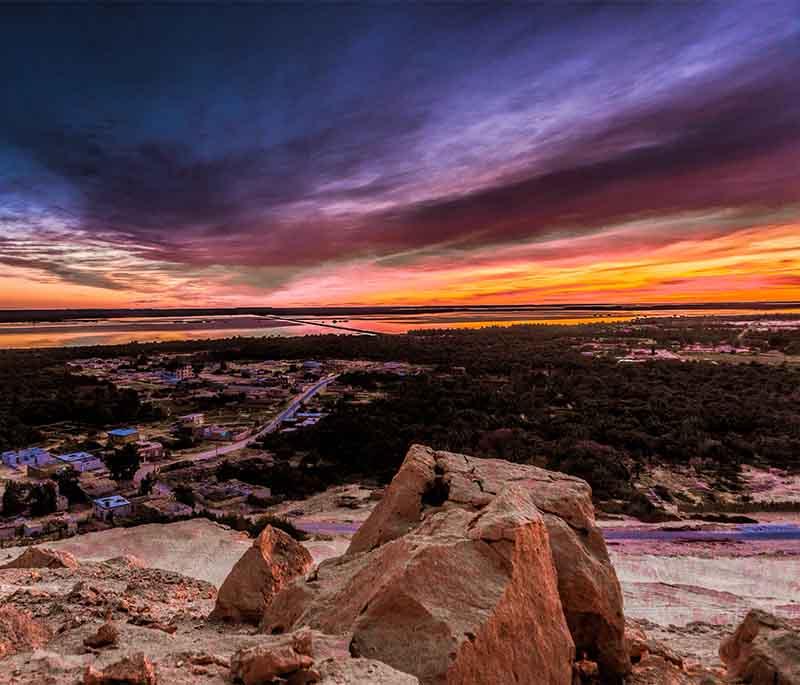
[
  {"x": 270, "y": 427},
  {"x": 338, "y": 327}
]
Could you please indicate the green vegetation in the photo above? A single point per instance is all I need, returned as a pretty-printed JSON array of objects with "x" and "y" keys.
[
  {"x": 38, "y": 390},
  {"x": 523, "y": 393},
  {"x": 68, "y": 480},
  {"x": 39, "y": 499},
  {"x": 124, "y": 463},
  {"x": 528, "y": 397}
]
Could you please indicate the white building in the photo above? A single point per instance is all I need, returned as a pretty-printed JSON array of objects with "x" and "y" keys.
[
  {"x": 107, "y": 508},
  {"x": 150, "y": 450},
  {"x": 81, "y": 461},
  {"x": 31, "y": 456},
  {"x": 195, "y": 419},
  {"x": 184, "y": 372}
]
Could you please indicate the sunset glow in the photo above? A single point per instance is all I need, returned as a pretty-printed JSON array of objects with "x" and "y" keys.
[{"x": 400, "y": 155}]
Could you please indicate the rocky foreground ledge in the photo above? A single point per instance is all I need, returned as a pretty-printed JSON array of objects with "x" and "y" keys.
[{"x": 469, "y": 572}]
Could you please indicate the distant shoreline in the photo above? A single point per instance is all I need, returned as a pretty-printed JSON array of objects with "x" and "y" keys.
[{"x": 55, "y": 315}]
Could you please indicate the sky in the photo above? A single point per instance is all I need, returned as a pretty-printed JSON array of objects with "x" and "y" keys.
[{"x": 342, "y": 154}]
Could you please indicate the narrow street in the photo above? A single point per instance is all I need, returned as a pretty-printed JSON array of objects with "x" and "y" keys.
[{"x": 269, "y": 427}]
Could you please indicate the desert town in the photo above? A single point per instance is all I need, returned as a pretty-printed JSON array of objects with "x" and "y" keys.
[{"x": 206, "y": 417}]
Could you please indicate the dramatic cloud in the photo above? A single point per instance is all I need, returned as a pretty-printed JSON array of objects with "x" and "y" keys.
[{"x": 409, "y": 153}]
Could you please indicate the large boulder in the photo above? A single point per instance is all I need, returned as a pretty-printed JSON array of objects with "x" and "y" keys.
[
  {"x": 467, "y": 595},
  {"x": 587, "y": 583},
  {"x": 274, "y": 559},
  {"x": 764, "y": 650},
  {"x": 42, "y": 557}
]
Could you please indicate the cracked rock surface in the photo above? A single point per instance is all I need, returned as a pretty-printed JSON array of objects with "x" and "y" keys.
[{"x": 459, "y": 555}]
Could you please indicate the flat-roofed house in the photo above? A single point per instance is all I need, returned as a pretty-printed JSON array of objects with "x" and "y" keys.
[
  {"x": 30, "y": 456},
  {"x": 195, "y": 419},
  {"x": 107, "y": 508},
  {"x": 150, "y": 450},
  {"x": 122, "y": 436},
  {"x": 81, "y": 461}
]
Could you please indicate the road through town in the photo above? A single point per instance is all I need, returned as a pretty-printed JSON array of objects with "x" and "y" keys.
[{"x": 270, "y": 427}]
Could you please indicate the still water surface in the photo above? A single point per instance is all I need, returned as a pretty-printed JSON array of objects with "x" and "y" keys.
[{"x": 115, "y": 331}]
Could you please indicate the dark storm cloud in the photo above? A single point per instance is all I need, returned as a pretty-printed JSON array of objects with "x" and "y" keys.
[
  {"x": 289, "y": 137},
  {"x": 707, "y": 144}
]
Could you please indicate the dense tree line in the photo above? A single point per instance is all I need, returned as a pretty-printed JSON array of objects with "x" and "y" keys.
[
  {"x": 552, "y": 407},
  {"x": 523, "y": 393},
  {"x": 38, "y": 389}
]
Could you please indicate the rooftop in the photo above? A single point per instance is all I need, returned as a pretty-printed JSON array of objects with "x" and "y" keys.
[
  {"x": 111, "y": 502},
  {"x": 75, "y": 456},
  {"x": 26, "y": 452},
  {"x": 122, "y": 432}
]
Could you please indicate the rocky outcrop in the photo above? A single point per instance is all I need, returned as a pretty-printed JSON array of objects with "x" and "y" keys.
[
  {"x": 42, "y": 557},
  {"x": 587, "y": 584},
  {"x": 131, "y": 670},
  {"x": 654, "y": 670},
  {"x": 288, "y": 657},
  {"x": 107, "y": 635},
  {"x": 20, "y": 632},
  {"x": 307, "y": 656},
  {"x": 764, "y": 650},
  {"x": 274, "y": 559},
  {"x": 640, "y": 646},
  {"x": 449, "y": 581}
]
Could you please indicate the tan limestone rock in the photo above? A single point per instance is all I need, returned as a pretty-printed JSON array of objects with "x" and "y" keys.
[
  {"x": 588, "y": 586},
  {"x": 132, "y": 670},
  {"x": 465, "y": 597},
  {"x": 42, "y": 557},
  {"x": 277, "y": 657},
  {"x": 274, "y": 559},
  {"x": 764, "y": 650}
]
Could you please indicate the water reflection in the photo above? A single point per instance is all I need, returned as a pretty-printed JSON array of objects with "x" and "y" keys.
[{"x": 116, "y": 331}]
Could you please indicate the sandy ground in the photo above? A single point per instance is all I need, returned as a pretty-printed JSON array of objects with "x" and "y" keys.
[
  {"x": 197, "y": 548},
  {"x": 694, "y": 592},
  {"x": 205, "y": 550},
  {"x": 691, "y": 593}
]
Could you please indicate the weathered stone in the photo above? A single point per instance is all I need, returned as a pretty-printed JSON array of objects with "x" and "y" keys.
[
  {"x": 654, "y": 670},
  {"x": 20, "y": 632},
  {"x": 106, "y": 636},
  {"x": 587, "y": 583},
  {"x": 42, "y": 557},
  {"x": 467, "y": 596},
  {"x": 132, "y": 670},
  {"x": 276, "y": 657},
  {"x": 639, "y": 645},
  {"x": 586, "y": 671},
  {"x": 361, "y": 672},
  {"x": 764, "y": 650},
  {"x": 274, "y": 559}
]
